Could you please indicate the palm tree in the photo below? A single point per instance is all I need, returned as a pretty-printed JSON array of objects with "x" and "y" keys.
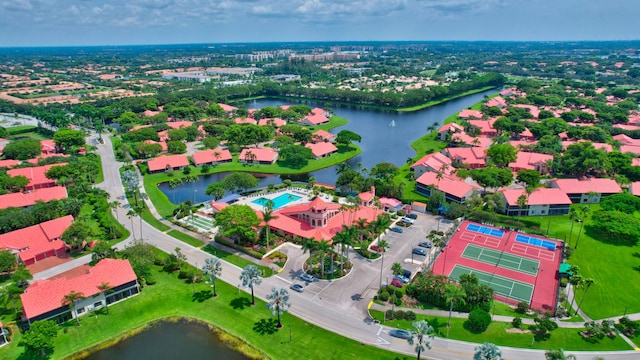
[
  {"x": 361, "y": 225},
  {"x": 309, "y": 245},
  {"x": 278, "y": 302},
  {"x": 487, "y": 351},
  {"x": 105, "y": 288},
  {"x": 323, "y": 247},
  {"x": 70, "y": 300},
  {"x": 522, "y": 203},
  {"x": 342, "y": 167},
  {"x": 573, "y": 216},
  {"x": 312, "y": 182},
  {"x": 396, "y": 268},
  {"x": 340, "y": 238},
  {"x": 213, "y": 269},
  {"x": 138, "y": 211},
  {"x": 584, "y": 212},
  {"x": 267, "y": 216},
  {"x": 382, "y": 245},
  {"x": 421, "y": 336},
  {"x": 381, "y": 223},
  {"x": 250, "y": 277},
  {"x": 587, "y": 284},
  {"x": 131, "y": 214},
  {"x": 576, "y": 281},
  {"x": 558, "y": 355},
  {"x": 452, "y": 294}
]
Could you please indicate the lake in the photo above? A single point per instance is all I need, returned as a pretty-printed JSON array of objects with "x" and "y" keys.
[
  {"x": 170, "y": 341},
  {"x": 381, "y": 142}
]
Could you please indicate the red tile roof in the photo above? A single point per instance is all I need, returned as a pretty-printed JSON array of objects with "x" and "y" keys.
[
  {"x": 473, "y": 156},
  {"x": 539, "y": 196},
  {"x": 173, "y": 161},
  {"x": 9, "y": 163},
  {"x": 48, "y": 146},
  {"x": 529, "y": 161},
  {"x": 450, "y": 185},
  {"x": 179, "y": 124},
  {"x": 318, "y": 111},
  {"x": 315, "y": 119},
  {"x": 485, "y": 126},
  {"x": 46, "y": 295},
  {"x": 467, "y": 114},
  {"x": 261, "y": 155},
  {"x": 324, "y": 135},
  {"x": 321, "y": 149},
  {"x": 36, "y": 175},
  {"x": 209, "y": 156},
  {"x": 532, "y": 109},
  {"x": 227, "y": 108},
  {"x": 20, "y": 199},
  {"x": 634, "y": 188},
  {"x": 496, "y": 101},
  {"x": 367, "y": 196},
  {"x": 626, "y": 140},
  {"x": 37, "y": 239},
  {"x": 245, "y": 121},
  {"x": 162, "y": 144},
  {"x": 577, "y": 186},
  {"x": 435, "y": 161},
  {"x": 630, "y": 149}
]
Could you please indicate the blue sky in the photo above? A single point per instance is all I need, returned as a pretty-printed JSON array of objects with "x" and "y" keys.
[{"x": 102, "y": 22}]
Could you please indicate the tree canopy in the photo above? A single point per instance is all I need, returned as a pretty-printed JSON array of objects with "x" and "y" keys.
[
  {"x": 502, "y": 154},
  {"x": 238, "y": 222}
]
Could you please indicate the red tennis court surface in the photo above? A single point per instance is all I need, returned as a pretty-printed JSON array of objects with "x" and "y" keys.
[{"x": 545, "y": 283}]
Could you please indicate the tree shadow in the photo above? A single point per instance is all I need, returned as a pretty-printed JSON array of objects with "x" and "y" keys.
[
  {"x": 265, "y": 326},
  {"x": 29, "y": 354},
  {"x": 636, "y": 254},
  {"x": 240, "y": 303},
  {"x": 201, "y": 296},
  {"x": 618, "y": 240}
]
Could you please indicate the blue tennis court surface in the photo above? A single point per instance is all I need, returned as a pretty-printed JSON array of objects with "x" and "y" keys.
[
  {"x": 485, "y": 230},
  {"x": 549, "y": 245}
]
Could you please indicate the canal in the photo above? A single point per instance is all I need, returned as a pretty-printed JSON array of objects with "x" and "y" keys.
[{"x": 386, "y": 137}]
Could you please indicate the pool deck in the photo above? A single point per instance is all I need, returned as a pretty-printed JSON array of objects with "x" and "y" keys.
[{"x": 305, "y": 197}]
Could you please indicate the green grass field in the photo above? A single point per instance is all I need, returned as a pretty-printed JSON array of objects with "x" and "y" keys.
[
  {"x": 230, "y": 311},
  {"x": 237, "y": 260}
]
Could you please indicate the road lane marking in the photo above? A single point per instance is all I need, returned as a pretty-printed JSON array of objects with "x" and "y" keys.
[{"x": 382, "y": 341}]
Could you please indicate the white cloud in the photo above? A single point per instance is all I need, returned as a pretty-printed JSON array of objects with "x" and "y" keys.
[{"x": 18, "y": 5}]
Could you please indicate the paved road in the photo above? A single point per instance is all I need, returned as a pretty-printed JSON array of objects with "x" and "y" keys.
[{"x": 317, "y": 304}]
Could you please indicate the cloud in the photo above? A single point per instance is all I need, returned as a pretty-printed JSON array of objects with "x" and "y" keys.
[
  {"x": 460, "y": 7},
  {"x": 17, "y": 5}
]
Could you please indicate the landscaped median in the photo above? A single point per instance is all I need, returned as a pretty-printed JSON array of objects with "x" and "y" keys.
[{"x": 230, "y": 312}]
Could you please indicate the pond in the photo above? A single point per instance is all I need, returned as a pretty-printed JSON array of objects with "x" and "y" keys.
[
  {"x": 386, "y": 137},
  {"x": 171, "y": 341}
]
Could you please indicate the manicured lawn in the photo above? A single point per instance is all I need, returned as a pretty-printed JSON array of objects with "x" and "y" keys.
[
  {"x": 436, "y": 102},
  {"x": 33, "y": 135},
  {"x": 236, "y": 260},
  {"x": 615, "y": 268},
  {"x": 506, "y": 310},
  {"x": 231, "y": 311},
  {"x": 568, "y": 339},
  {"x": 185, "y": 238}
]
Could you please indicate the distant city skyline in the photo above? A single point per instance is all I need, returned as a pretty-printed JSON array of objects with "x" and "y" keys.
[{"x": 131, "y": 22}]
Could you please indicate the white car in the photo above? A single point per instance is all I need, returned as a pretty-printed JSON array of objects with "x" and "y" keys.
[{"x": 407, "y": 220}]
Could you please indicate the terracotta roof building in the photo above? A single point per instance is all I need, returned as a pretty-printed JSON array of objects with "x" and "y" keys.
[
  {"x": 321, "y": 149},
  {"x": 265, "y": 156},
  {"x": 541, "y": 201},
  {"x": 29, "y": 198},
  {"x": 435, "y": 162},
  {"x": 587, "y": 190},
  {"x": 276, "y": 122},
  {"x": 43, "y": 299},
  {"x": 36, "y": 176},
  {"x": 531, "y": 161},
  {"x": 166, "y": 162},
  {"x": 323, "y": 135},
  {"x": 211, "y": 156},
  {"x": 470, "y": 114},
  {"x": 454, "y": 189},
  {"x": 37, "y": 242},
  {"x": 314, "y": 120},
  {"x": 474, "y": 157}
]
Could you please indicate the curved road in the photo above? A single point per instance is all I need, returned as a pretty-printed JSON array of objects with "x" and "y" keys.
[{"x": 349, "y": 320}]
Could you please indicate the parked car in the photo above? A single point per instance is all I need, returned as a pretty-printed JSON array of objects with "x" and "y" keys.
[
  {"x": 376, "y": 249},
  {"x": 397, "y": 283},
  {"x": 425, "y": 244},
  {"x": 402, "y": 278},
  {"x": 400, "y": 334},
  {"x": 408, "y": 220},
  {"x": 406, "y": 273},
  {"x": 403, "y": 224},
  {"x": 418, "y": 251},
  {"x": 397, "y": 230},
  {"x": 297, "y": 287},
  {"x": 307, "y": 277},
  {"x": 411, "y": 216}
]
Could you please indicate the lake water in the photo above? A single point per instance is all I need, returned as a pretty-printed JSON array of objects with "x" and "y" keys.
[
  {"x": 171, "y": 341},
  {"x": 381, "y": 142}
]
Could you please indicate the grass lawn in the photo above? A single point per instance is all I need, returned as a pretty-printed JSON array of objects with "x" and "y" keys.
[
  {"x": 20, "y": 129},
  {"x": 185, "y": 238},
  {"x": 567, "y": 339},
  {"x": 237, "y": 260},
  {"x": 230, "y": 311},
  {"x": 506, "y": 310},
  {"x": 615, "y": 268},
  {"x": 31, "y": 134},
  {"x": 436, "y": 102}
]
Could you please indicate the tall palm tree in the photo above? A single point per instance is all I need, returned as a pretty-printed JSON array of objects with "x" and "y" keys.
[
  {"x": 522, "y": 203},
  {"x": 487, "y": 351},
  {"x": 267, "y": 216},
  {"x": 212, "y": 268},
  {"x": 324, "y": 247},
  {"x": 309, "y": 245},
  {"x": 453, "y": 294},
  {"x": 70, "y": 300},
  {"x": 396, "y": 268},
  {"x": 361, "y": 225},
  {"x": 421, "y": 336},
  {"x": 138, "y": 211},
  {"x": 131, "y": 214},
  {"x": 382, "y": 245},
  {"x": 558, "y": 355},
  {"x": 573, "y": 216},
  {"x": 105, "y": 288},
  {"x": 381, "y": 223},
  {"x": 250, "y": 277},
  {"x": 584, "y": 212},
  {"x": 587, "y": 284},
  {"x": 340, "y": 238},
  {"x": 576, "y": 280},
  {"x": 278, "y": 302}
]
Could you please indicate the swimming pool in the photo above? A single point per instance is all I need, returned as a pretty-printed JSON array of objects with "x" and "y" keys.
[{"x": 279, "y": 201}]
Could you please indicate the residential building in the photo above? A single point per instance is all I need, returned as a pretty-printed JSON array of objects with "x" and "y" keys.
[
  {"x": 44, "y": 299},
  {"x": 211, "y": 157},
  {"x": 29, "y": 198},
  {"x": 473, "y": 157},
  {"x": 265, "y": 156},
  {"x": 323, "y": 135},
  {"x": 36, "y": 176},
  {"x": 541, "y": 201},
  {"x": 454, "y": 189},
  {"x": 367, "y": 198},
  {"x": 436, "y": 162},
  {"x": 321, "y": 149},
  {"x": 275, "y": 122},
  {"x": 532, "y": 161},
  {"x": 167, "y": 162},
  {"x": 37, "y": 242},
  {"x": 447, "y": 129},
  {"x": 470, "y": 114},
  {"x": 313, "y": 120},
  {"x": 587, "y": 190}
]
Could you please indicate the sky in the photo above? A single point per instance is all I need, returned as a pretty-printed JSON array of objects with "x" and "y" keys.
[{"x": 125, "y": 22}]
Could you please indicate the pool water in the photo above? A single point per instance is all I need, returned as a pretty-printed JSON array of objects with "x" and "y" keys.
[{"x": 279, "y": 201}]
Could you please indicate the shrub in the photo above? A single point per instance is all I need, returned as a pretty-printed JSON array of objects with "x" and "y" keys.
[
  {"x": 389, "y": 315},
  {"x": 410, "y": 316},
  {"x": 522, "y": 307},
  {"x": 150, "y": 279},
  {"x": 384, "y": 296},
  {"x": 400, "y": 315},
  {"x": 186, "y": 273},
  {"x": 398, "y": 301},
  {"x": 516, "y": 322},
  {"x": 479, "y": 320},
  {"x": 563, "y": 282},
  {"x": 399, "y": 293}
]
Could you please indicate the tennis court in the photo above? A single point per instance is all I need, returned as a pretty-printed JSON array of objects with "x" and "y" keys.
[
  {"x": 530, "y": 240},
  {"x": 534, "y": 251},
  {"x": 480, "y": 239},
  {"x": 502, "y": 286},
  {"x": 501, "y": 259},
  {"x": 199, "y": 222},
  {"x": 485, "y": 230}
]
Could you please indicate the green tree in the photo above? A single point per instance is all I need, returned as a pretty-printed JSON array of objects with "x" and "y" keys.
[
  {"x": 587, "y": 284},
  {"x": 383, "y": 246},
  {"x": 105, "y": 288},
  {"x": 40, "y": 338},
  {"x": 421, "y": 336},
  {"x": 479, "y": 320},
  {"x": 267, "y": 216},
  {"x": 309, "y": 245},
  {"x": 324, "y": 248},
  {"x": 217, "y": 190},
  {"x": 529, "y": 177},
  {"x": 278, "y": 303},
  {"x": 502, "y": 154},
  {"x": 576, "y": 280},
  {"x": 21, "y": 276},
  {"x": 141, "y": 256},
  {"x": 296, "y": 156},
  {"x": 396, "y": 268},
  {"x": 76, "y": 235},
  {"x": 522, "y": 203},
  {"x": 239, "y": 181},
  {"x": 22, "y": 149},
  {"x": 346, "y": 137},
  {"x": 487, "y": 351},
  {"x": 238, "y": 222},
  {"x": 70, "y": 300},
  {"x": 176, "y": 147},
  {"x": 68, "y": 139},
  {"x": 453, "y": 294},
  {"x": 8, "y": 261},
  {"x": 212, "y": 269},
  {"x": 558, "y": 355},
  {"x": 250, "y": 277}
]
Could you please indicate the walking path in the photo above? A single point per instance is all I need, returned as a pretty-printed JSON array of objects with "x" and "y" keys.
[{"x": 341, "y": 320}]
